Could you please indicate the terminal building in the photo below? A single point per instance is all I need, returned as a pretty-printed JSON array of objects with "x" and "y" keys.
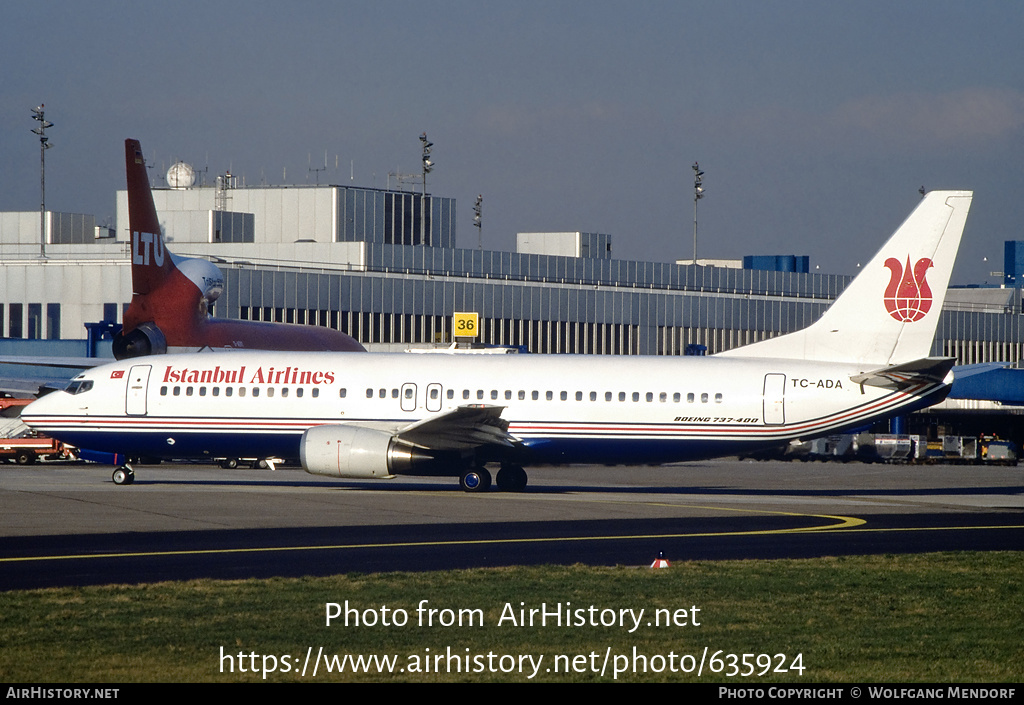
[{"x": 382, "y": 266}]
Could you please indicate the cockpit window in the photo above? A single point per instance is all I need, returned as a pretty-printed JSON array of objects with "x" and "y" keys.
[{"x": 79, "y": 386}]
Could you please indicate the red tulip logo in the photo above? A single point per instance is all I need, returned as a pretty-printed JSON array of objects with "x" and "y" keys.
[{"x": 908, "y": 298}]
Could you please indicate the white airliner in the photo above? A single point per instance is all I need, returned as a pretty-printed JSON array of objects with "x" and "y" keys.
[{"x": 368, "y": 415}]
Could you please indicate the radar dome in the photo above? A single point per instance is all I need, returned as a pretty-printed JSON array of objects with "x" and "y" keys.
[{"x": 181, "y": 175}]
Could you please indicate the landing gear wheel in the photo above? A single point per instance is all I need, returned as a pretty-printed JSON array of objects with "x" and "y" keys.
[
  {"x": 123, "y": 475},
  {"x": 512, "y": 478},
  {"x": 229, "y": 463},
  {"x": 475, "y": 480}
]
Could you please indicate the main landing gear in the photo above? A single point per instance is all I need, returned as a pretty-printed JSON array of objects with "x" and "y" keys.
[
  {"x": 123, "y": 475},
  {"x": 511, "y": 478},
  {"x": 476, "y": 479}
]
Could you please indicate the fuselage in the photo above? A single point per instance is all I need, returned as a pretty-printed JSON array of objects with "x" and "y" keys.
[{"x": 560, "y": 408}]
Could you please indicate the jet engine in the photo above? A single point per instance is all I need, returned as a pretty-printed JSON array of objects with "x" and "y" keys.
[
  {"x": 204, "y": 274},
  {"x": 144, "y": 339},
  {"x": 360, "y": 452}
]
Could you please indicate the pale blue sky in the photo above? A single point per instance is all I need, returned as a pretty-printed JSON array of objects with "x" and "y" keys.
[{"x": 815, "y": 122}]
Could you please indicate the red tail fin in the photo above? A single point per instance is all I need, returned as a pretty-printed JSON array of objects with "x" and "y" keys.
[
  {"x": 151, "y": 262},
  {"x": 160, "y": 294}
]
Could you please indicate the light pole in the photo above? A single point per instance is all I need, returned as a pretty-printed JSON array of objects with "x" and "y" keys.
[
  {"x": 698, "y": 193},
  {"x": 44, "y": 144},
  {"x": 477, "y": 219},
  {"x": 428, "y": 166}
]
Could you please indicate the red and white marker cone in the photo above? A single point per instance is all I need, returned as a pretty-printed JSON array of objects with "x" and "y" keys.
[{"x": 660, "y": 561}]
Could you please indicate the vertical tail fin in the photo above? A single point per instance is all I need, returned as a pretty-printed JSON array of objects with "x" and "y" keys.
[
  {"x": 151, "y": 263},
  {"x": 161, "y": 297},
  {"x": 888, "y": 314}
]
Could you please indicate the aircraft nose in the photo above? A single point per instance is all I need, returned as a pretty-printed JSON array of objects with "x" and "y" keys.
[{"x": 47, "y": 405}]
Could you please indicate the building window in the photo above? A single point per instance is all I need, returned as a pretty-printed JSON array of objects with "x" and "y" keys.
[
  {"x": 35, "y": 321},
  {"x": 53, "y": 321},
  {"x": 15, "y": 314}
]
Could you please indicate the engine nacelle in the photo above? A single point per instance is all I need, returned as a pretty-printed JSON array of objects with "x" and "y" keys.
[
  {"x": 204, "y": 274},
  {"x": 145, "y": 339},
  {"x": 360, "y": 452}
]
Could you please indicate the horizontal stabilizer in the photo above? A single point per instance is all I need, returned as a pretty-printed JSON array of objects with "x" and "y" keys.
[
  {"x": 462, "y": 428},
  {"x": 928, "y": 370},
  {"x": 980, "y": 368}
]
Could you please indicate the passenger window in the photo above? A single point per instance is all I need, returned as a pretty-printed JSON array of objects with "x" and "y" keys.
[
  {"x": 255, "y": 391},
  {"x": 535, "y": 395},
  {"x": 202, "y": 391},
  {"x": 676, "y": 397},
  {"x": 408, "y": 393},
  {"x": 394, "y": 393},
  {"x": 228, "y": 391},
  {"x": 479, "y": 394},
  {"x": 636, "y": 396},
  {"x": 298, "y": 392},
  {"x": 563, "y": 396},
  {"x": 316, "y": 392},
  {"x": 508, "y": 393},
  {"x": 663, "y": 397},
  {"x": 382, "y": 393},
  {"x": 241, "y": 391},
  {"x": 718, "y": 398},
  {"x": 216, "y": 391},
  {"x": 650, "y": 396},
  {"x": 704, "y": 398},
  {"x": 270, "y": 392},
  {"x": 522, "y": 394},
  {"x": 494, "y": 394},
  {"x": 549, "y": 395},
  {"x": 284, "y": 392},
  {"x": 465, "y": 394},
  {"x": 689, "y": 397},
  {"x": 593, "y": 396},
  {"x": 163, "y": 391},
  {"x": 369, "y": 394},
  {"x": 607, "y": 396},
  {"x": 622, "y": 396}
]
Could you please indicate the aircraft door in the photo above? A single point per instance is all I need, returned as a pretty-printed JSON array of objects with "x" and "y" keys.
[
  {"x": 774, "y": 399},
  {"x": 433, "y": 397},
  {"x": 409, "y": 397},
  {"x": 138, "y": 387}
]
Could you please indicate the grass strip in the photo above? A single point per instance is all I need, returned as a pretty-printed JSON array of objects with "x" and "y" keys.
[{"x": 942, "y": 617}]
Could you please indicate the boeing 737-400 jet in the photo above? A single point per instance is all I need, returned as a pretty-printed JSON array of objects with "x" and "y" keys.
[{"x": 371, "y": 415}]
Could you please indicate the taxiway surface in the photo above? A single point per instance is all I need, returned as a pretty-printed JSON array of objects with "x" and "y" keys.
[{"x": 70, "y": 525}]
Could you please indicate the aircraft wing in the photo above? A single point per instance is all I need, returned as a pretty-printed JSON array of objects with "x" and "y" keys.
[
  {"x": 71, "y": 363},
  {"x": 465, "y": 427},
  {"x": 30, "y": 386},
  {"x": 51, "y": 372},
  {"x": 928, "y": 370}
]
